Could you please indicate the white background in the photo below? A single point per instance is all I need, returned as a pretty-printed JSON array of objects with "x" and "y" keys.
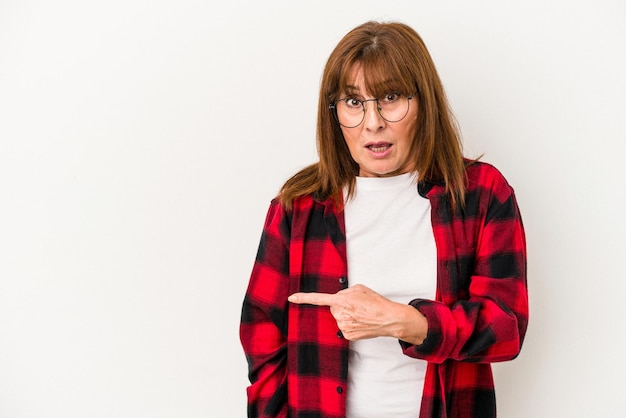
[{"x": 141, "y": 143}]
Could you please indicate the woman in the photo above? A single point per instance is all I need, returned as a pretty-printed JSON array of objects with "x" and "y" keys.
[{"x": 391, "y": 273}]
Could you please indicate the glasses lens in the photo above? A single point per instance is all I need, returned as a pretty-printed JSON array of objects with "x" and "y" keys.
[
  {"x": 350, "y": 112},
  {"x": 392, "y": 107}
]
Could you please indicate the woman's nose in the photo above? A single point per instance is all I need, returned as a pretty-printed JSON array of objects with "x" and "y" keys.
[{"x": 372, "y": 118}]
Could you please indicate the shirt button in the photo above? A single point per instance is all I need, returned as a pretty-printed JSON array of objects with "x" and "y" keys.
[
  {"x": 342, "y": 280},
  {"x": 339, "y": 334},
  {"x": 339, "y": 390}
]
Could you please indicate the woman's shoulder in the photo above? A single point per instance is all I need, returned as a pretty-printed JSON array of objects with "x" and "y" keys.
[
  {"x": 483, "y": 173},
  {"x": 484, "y": 177},
  {"x": 304, "y": 203}
]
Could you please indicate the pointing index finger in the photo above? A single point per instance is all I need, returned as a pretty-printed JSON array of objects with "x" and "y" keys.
[{"x": 312, "y": 298}]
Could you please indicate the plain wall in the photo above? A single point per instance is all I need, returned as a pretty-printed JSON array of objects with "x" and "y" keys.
[{"x": 141, "y": 143}]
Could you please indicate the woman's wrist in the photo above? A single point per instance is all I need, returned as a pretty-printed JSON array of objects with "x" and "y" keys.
[{"x": 412, "y": 326}]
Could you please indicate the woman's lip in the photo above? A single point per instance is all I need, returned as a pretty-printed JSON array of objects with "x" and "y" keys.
[{"x": 379, "y": 149}]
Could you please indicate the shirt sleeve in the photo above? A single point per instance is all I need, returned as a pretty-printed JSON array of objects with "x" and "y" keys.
[
  {"x": 489, "y": 323},
  {"x": 264, "y": 319}
]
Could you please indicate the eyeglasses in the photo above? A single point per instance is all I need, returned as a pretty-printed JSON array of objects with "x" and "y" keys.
[{"x": 350, "y": 111}]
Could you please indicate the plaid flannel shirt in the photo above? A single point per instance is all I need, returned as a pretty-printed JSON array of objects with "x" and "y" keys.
[{"x": 298, "y": 363}]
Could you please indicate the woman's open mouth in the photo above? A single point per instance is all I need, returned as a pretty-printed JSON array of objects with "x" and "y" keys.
[{"x": 379, "y": 149}]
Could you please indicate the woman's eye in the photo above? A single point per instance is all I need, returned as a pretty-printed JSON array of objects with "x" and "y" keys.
[
  {"x": 352, "y": 102},
  {"x": 390, "y": 98}
]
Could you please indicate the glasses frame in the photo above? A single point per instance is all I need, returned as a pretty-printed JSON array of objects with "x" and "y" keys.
[{"x": 333, "y": 108}]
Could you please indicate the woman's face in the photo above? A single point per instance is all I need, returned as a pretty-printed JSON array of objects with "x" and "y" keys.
[{"x": 380, "y": 148}]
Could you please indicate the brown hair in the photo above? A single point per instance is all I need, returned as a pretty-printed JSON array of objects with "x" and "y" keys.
[{"x": 393, "y": 58}]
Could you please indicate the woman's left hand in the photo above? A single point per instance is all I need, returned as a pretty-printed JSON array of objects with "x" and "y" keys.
[{"x": 362, "y": 313}]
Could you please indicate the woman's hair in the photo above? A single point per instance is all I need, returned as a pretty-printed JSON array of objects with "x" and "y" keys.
[{"x": 393, "y": 57}]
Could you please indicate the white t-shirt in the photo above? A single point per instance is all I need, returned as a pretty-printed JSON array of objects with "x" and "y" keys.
[{"x": 391, "y": 249}]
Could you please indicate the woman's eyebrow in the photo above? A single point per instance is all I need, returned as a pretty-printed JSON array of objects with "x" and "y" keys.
[{"x": 350, "y": 88}]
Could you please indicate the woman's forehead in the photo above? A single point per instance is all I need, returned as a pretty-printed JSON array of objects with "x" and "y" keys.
[
  {"x": 371, "y": 79},
  {"x": 354, "y": 78}
]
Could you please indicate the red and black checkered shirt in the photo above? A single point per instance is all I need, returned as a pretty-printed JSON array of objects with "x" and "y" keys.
[{"x": 298, "y": 363}]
